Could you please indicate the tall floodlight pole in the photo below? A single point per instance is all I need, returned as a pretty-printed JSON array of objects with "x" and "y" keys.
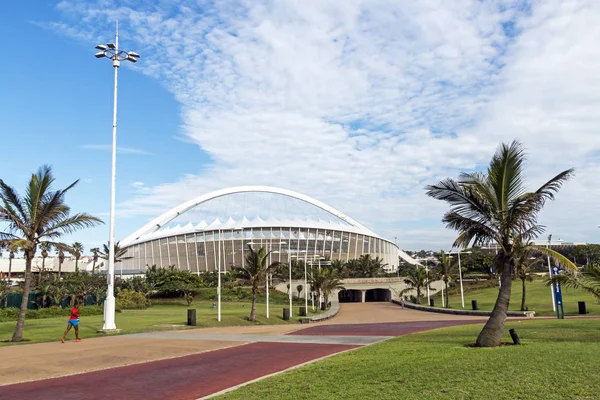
[
  {"x": 112, "y": 52},
  {"x": 550, "y": 274},
  {"x": 427, "y": 282}
]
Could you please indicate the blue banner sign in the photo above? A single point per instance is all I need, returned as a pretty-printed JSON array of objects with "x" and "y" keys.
[{"x": 558, "y": 300}]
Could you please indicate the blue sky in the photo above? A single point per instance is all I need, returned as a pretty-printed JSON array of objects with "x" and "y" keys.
[{"x": 358, "y": 104}]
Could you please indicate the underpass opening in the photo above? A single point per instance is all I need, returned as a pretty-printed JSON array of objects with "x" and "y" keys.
[
  {"x": 350, "y": 296},
  {"x": 378, "y": 295}
]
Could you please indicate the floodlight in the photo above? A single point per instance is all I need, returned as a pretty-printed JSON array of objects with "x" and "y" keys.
[
  {"x": 102, "y": 47},
  {"x": 133, "y": 54},
  {"x": 100, "y": 54},
  {"x": 133, "y": 60},
  {"x": 111, "y": 46}
]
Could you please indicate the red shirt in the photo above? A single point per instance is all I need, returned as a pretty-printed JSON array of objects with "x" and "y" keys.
[{"x": 74, "y": 314}]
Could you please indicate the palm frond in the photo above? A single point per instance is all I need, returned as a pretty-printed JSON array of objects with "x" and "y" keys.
[{"x": 505, "y": 173}]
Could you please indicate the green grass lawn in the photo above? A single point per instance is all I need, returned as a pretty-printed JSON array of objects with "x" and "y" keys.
[
  {"x": 158, "y": 317},
  {"x": 557, "y": 360},
  {"x": 538, "y": 299}
]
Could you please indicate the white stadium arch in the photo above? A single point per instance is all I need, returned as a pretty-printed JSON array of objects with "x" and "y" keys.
[{"x": 302, "y": 238}]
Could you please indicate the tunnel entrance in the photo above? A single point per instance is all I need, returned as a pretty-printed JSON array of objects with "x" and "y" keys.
[
  {"x": 350, "y": 296},
  {"x": 373, "y": 295}
]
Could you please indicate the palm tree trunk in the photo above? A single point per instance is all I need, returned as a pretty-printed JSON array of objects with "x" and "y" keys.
[
  {"x": 9, "y": 268},
  {"x": 253, "y": 308},
  {"x": 523, "y": 296},
  {"x": 491, "y": 334},
  {"x": 59, "y": 268},
  {"x": 42, "y": 271},
  {"x": 18, "y": 334},
  {"x": 77, "y": 265},
  {"x": 94, "y": 267},
  {"x": 418, "y": 294}
]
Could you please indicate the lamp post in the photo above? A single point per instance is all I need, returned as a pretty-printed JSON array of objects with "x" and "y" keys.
[
  {"x": 290, "y": 290},
  {"x": 462, "y": 291},
  {"x": 112, "y": 52},
  {"x": 550, "y": 274}
]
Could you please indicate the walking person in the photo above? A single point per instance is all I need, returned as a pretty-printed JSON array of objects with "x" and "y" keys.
[
  {"x": 402, "y": 302},
  {"x": 73, "y": 323}
]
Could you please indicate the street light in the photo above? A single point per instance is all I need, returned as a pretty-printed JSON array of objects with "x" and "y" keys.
[
  {"x": 112, "y": 52},
  {"x": 462, "y": 292}
]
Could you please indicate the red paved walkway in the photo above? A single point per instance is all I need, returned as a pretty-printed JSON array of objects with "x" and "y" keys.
[
  {"x": 189, "y": 377},
  {"x": 381, "y": 329}
]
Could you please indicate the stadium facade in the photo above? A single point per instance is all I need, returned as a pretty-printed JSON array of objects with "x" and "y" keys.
[{"x": 218, "y": 231}]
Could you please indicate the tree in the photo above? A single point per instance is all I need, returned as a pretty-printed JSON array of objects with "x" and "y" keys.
[
  {"x": 587, "y": 279},
  {"x": 45, "y": 247},
  {"x": 323, "y": 281},
  {"x": 417, "y": 279},
  {"x": 447, "y": 271},
  {"x": 118, "y": 254},
  {"x": 94, "y": 251},
  {"x": 77, "y": 250},
  {"x": 525, "y": 262},
  {"x": 495, "y": 207},
  {"x": 40, "y": 215},
  {"x": 340, "y": 267},
  {"x": 299, "y": 289},
  {"x": 370, "y": 267},
  {"x": 254, "y": 272},
  {"x": 11, "y": 255},
  {"x": 61, "y": 259}
]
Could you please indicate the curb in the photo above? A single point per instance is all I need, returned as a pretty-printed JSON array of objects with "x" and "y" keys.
[{"x": 522, "y": 314}]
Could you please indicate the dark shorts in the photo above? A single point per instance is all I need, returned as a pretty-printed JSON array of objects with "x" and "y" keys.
[{"x": 73, "y": 322}]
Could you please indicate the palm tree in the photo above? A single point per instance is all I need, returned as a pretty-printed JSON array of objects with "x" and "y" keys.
[
  {"x": 119, "y": 253},
  {"x": 495, "y": 206},
  {"x": 11, "y": 255},
  {"x": 340, "y": 267},
  {"x": 588, "y": 279},
  {"x": 323, "y": 281},
  {"x": 61, "y": 259},
  {"x": 95, "y": 256},
  {"x": 45, "y": 247},
  {"x": 370, "y": 267},
  {"x": 254, "y": 272},
  {"x": 77, "y": 250},
  {"x": 447, "y": 270},
  {"x": 40, "y": 215},
  {"x": 524, "y": 264},
  {"x": 416, "y": 279},
  {"x": 299, "y": 289}
]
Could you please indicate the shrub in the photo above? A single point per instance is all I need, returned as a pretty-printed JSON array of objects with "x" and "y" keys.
[
  {"x": 12, "y": 313},
  {"x": 128, "y": 299}
]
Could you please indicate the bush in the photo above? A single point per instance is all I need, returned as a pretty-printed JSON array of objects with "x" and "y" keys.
[
  {"x": 12, "y": 314},
  {"x": 128, "y": 299}
]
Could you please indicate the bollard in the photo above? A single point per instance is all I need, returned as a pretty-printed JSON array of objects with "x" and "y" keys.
[
  {"x": 302, "y": 312},
  {"x": 191, "y": 320},
  {"x": 514, "y": 336},
  {"x": 582, "y": 309},
  {"x": 431, "y": 303},
  {"x": 474, "y": 305},
  {"x": 286, "y": 314}
]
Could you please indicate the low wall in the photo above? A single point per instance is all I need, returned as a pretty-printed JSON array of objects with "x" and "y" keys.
[
  {"x": 332, "y": 312},
  {"x": 474, "y": 313}
]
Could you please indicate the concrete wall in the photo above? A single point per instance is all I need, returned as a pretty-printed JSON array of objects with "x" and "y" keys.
[{"x": 51, "y": 264}]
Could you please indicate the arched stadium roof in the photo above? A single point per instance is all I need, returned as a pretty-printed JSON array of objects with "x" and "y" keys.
[{"x": 328, "y": 218}]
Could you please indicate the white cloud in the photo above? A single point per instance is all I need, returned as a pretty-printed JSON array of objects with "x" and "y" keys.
[
  {"x": 361, "y": 103},
  {"x": 108, "y": 147}
]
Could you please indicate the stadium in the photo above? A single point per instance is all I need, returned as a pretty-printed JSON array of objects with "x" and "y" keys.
[{"x": 212, "y": 232}]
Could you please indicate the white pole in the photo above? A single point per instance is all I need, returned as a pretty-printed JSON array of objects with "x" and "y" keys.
[
  {"x": 427, "y": 283},
  {"x": 290, "y": 291},
  {"x": 267, "y": 276},
  {"x": 305, "y": 290},
  {"x": 219, "y": 281},
  {"x": 550, "y": 275},
  {"x": 109, "y": 303},
  {"x": 443, "y": 300},
  {"x": 462, "y": 292}
]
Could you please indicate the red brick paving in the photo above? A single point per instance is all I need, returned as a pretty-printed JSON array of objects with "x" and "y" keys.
[
  {"x": 381, "y": 329},
  {"x": 183, "y": 378}
]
